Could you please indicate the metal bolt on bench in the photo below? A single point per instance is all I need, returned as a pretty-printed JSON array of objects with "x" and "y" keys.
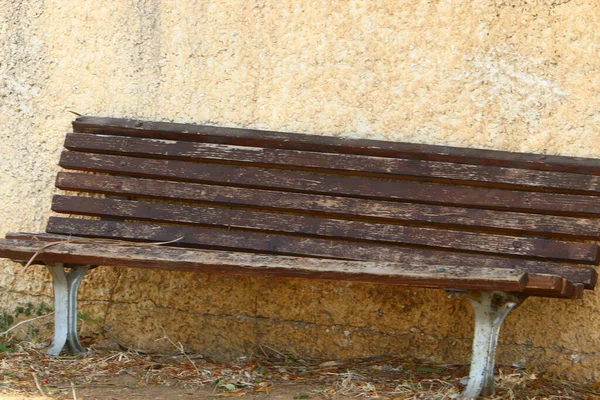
[{"x": 499, "y": 226}]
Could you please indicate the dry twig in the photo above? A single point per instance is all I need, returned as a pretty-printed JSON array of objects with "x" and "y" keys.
[
  {"x": 73, "y": 390},
  {"x": 179, "y": 347},
  {"x": 12, "y": 328},
  {"x": 38, "y": 386},
  {"x": 93, "y": 241}
]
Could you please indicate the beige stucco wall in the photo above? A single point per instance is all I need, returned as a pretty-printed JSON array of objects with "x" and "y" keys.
[{"x": 511, "y": 75}]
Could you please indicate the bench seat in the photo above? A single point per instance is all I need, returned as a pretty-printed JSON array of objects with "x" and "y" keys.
[
  {"x": 495, "y": 227},
  {"x": 90, "y": 252}
]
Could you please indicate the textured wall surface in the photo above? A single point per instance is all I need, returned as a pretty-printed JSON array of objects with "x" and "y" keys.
[{"x": 511, "y": 75}]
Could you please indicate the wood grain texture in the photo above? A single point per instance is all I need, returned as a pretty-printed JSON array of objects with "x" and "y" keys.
[
  {"x": 544, "y": 278},
  {"x": 274, "y": 243},
  {"x": 318, "y": 183},
  {"x": 339, "y": 249},
  {"x": 394, "y": 167},
  {"x": 162, "y": 257},
  {"x": 342, "y": 207},
  {"x": 295, "y": 141},
  {"x": 320, "y": 226}
]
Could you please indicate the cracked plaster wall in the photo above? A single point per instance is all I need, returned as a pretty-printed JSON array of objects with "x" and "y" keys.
[{"x": 510, "y": 75}]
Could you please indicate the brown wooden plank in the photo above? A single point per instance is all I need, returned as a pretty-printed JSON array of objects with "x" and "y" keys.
[
  {"x": 538, "y": 284},
  {"x": 546, "y": 276},
  {"x": 541, "y": 282},
  {"x": 331, "y": 162},
  {"x": 343, "y": 207},
  {"x": 262, "y": 138},
  {"x": 211, "y": 237},
  {"x": 311, "y": 182},
  {"x": 319, "y": 226},
  {"x": 577, "y": 292},
  {"x": 566, "y": 289},
  {"x": 162, "y": 257}
]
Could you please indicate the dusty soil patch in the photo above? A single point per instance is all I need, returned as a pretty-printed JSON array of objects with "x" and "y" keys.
[{"x": 274, "y": 375}]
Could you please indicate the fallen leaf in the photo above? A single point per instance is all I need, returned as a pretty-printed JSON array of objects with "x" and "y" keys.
[{"x": 263, "y": 387}]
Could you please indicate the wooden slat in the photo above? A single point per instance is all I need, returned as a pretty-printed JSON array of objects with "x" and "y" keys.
[
  {"x": 394, "y": 167},
  {"x": 564, "y": 287},
  {"x": 310, "y": 182},
  {"x": 541, "y": 282},
  {"x": 545, "y": 278},
  {"x": 262, "y": 138},
  {"x": 333, "y": 205},
  {"x": 209, "y": 237},
  {"x": 569, "y": 290},
  {"x": 249, "y": 264},
  {"x": 577, "y": 292},
  {"x": 306, "y": 225}
]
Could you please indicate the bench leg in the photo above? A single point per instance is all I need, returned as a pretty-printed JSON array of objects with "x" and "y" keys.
[
  {"x": 66, "y": 285},
  {"x": 491, "y": 308}
]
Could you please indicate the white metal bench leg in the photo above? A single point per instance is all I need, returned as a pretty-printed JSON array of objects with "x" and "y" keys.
[
  {"x": 66, "y": 285},
  {"x": 491, "y": 308}
]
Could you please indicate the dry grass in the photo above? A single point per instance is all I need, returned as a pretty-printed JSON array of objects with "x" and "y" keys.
[{"x": 31, "y": 373}]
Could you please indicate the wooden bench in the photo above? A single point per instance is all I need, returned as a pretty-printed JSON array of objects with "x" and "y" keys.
[{"x": 495, "y": 227}]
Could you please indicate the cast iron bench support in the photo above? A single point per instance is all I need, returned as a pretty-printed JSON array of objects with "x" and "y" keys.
[
  {"x": 66, "y": 284},
  {"x": 490, "y": 310}
]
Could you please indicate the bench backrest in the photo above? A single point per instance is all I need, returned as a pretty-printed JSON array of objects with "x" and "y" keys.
[{"x": 308, "y": 195}]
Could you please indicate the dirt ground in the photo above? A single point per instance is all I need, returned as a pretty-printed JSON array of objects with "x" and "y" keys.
[
  {"x": 126, "y": 375},
  {"x": 125, "y": 392}
]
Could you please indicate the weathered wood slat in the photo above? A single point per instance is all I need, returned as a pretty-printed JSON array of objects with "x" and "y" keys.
[
  {"x": 543, "y": 275},
  {"x": 208, "y": 237},
  {"x": 395, "y": 167},
  {"x": 249, "y": 264},
  {"x": 540, "y": 284},
  {"x": 310, "y": 182},
  {"x": 306, "y": 225},
  {"x": 295, "y": 141},
  {"x": 577, "y": 292},
  {"x": 569, "y": 290},
  {"x": 332, "y": 205}
]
